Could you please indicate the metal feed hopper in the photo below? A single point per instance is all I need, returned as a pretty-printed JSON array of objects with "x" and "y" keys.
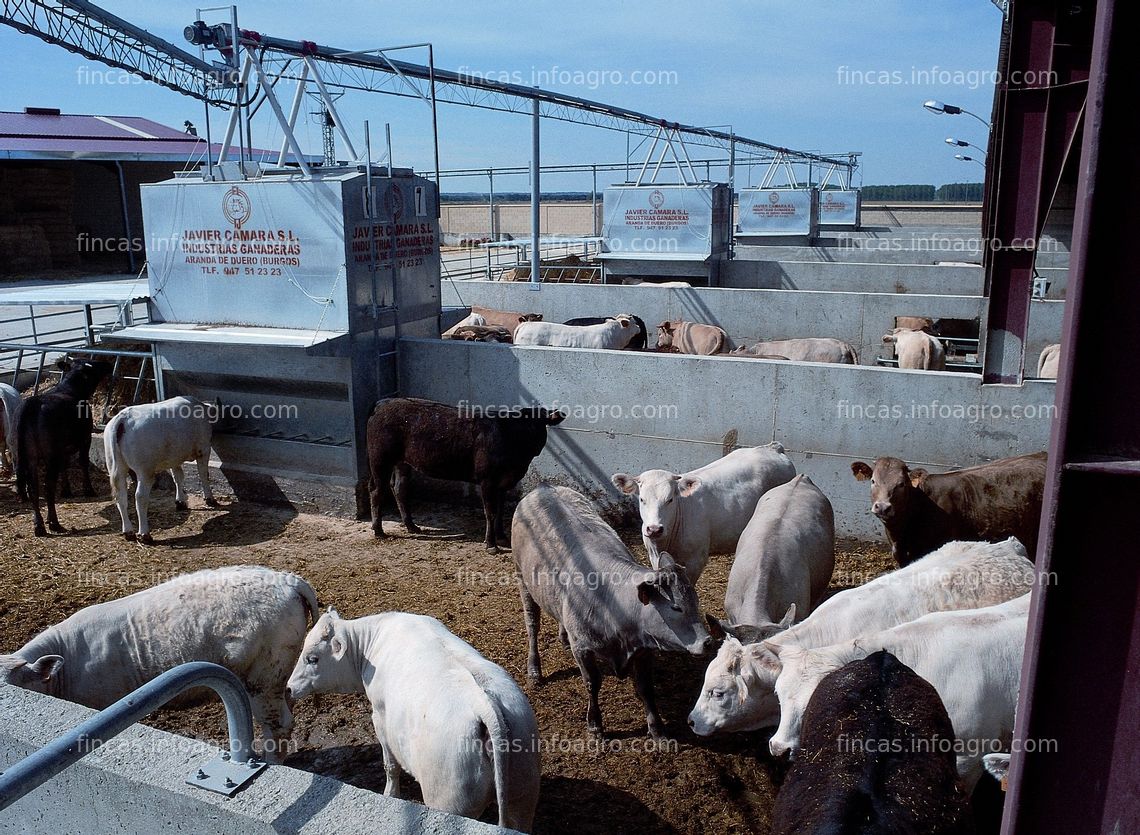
[
  {"x": 779, "y": 216},
  {"x": 282, "y": 296},
  {"x": 839, "y": 209},
  {"x": 681, "y": 230}
]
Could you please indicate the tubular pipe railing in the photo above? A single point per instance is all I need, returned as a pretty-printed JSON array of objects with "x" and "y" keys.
[{"x": 63, "y": 751}]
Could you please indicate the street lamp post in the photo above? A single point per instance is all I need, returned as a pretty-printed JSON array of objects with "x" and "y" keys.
[
  {"x": 935, "y": 106},
  {"x": 962, "y": 143},
  {"x": 965, "y": 158}
]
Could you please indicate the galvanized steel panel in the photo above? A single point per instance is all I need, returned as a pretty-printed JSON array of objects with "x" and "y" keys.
[
  {"x": 779, "y": 211},
  {"x": 266, "y": 252},
  {"x": 667, "y": 219},
  {"x": 839, "y": 208}
]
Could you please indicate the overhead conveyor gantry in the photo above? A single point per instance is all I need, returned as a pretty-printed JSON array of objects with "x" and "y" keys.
[{"x": 82, "y": 27}]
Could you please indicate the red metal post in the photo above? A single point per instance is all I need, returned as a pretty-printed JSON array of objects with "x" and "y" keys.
[
  {"x": 1036, "y": 116},
  {"x": 1080, "y": 685}
]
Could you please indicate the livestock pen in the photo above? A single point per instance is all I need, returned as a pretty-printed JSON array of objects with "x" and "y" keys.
[{"x": 622, "y": 783}]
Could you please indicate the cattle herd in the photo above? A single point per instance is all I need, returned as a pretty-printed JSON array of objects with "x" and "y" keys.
[
  {"x": 916, "y": 348},
  {"x": 926, "y": 657}
]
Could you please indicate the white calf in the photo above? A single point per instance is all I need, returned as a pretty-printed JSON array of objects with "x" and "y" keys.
[
  {"x": 705, "y": 510},
  {"x": 971, "y": 656},
  {"x": 147, "y": 439},
  {"x": 249, "y": 619},
  {"x": 10, "y": 405},
  {"x": 1049, "y": 362},
  {"x": 442, "y": 712},
  {"x": 614, "y": 334},
  {"x": 739, "y": 688},
  {"x": 917, "y": 349}
]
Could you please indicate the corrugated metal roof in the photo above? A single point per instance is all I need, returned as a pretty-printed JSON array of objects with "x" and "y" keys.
[
  {"x": 63, "y": 294},
  {"x": 129, "y": 138}
]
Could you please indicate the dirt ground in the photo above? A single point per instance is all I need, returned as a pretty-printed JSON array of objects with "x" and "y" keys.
[{"x": 722, "y": 785}]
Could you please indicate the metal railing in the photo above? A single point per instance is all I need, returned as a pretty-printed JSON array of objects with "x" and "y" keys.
[
  {"x": 86, "y": 323},
  {"x": 148, "y": 362},
  {"x": 63, "y": 751},
  {"x": 481, "y": 262},
  {"x": 26, "y": 345}
]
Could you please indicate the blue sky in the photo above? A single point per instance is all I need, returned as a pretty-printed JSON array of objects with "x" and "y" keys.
[{"x": 836, "y": 75}]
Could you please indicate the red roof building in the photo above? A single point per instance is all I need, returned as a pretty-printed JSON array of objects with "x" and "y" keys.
[{"x": 69, "y": 187}]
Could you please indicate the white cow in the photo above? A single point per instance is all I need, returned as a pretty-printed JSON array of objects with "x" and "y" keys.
[
  {"x": 739, "y": 687},
  {"x": 998, "y": 766},
  {"x": 807, "y": 349},
  {"x": 1049, "y": 362},
  {"x": 470, "y": 319},
  {"x": 442, "y": 712},
  {"x": 248, "y": 618},
  {"x": 785, "y": 556},
  {"x": 705, "y": 510},
  {"x": 10, "y": 405},
  {"x": 634, "y": 282},
  {"x": 147, "y": 439},
  {"x": 972, "y": 657},
  {"x": 613, "y": 334},
  {"x": 917, "y": 349}
]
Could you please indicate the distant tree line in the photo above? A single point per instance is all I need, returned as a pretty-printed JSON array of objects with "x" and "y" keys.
[{"x": 949, "y": 193}]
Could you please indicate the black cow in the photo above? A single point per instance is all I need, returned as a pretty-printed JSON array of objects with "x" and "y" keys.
[
  {"x": 877, "y": 756},
  {"x": 638, "y": 342},
  {"x": 489, "y": 447},
  {"x": 53, "y": 427}
]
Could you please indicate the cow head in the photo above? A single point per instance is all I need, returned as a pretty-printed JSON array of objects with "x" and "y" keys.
[
  {"x": 40, "y": 675},
  {"x": 665, "y": 335},
  {"x": 659, "y": 496},
  {"x": 738, "y": 691},
  {"x": 324, "y": 666},
  {"x": 530, "y": 317},
  {"x": 749, "y": 633},
  {"x": 83, "y": 376},
  {"x": 672, "y": 615},
  {"x": 892, "y": 484}
]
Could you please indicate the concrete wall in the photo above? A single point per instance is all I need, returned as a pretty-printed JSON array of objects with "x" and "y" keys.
[
  {"x": 825, "y": 415},
  {"x": 855, "y": 277},
  {"x": 867, "y": 277},
  {"x": 136, "y": 783},
  {"x": 748, "y": 315}
]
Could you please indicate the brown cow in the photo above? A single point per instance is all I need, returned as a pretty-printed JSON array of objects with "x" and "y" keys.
[
  {"x": 690, "y": 338},
  {"x": 921, "y": 512},
  {"x": 508, "y": 319},
  {"x": 490, "y": 446},
  {"x": 479, "y": 333}
]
